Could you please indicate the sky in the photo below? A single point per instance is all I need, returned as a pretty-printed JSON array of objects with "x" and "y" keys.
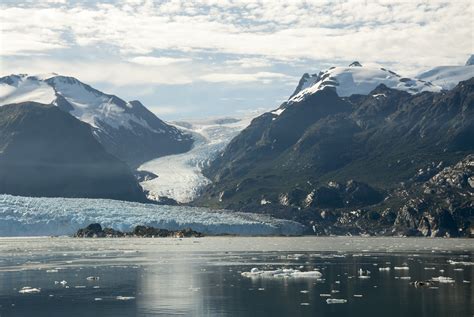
[{"x": 186, "y": 59}]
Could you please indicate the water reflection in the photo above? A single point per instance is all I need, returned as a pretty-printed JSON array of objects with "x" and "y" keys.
[{"x": 159, "y": 278}]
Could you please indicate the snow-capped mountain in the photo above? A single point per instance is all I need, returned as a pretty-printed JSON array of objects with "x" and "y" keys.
[
  {"x": 357, "y": 79},
  {"x": 126, "y": 129},
  {"x": 449, "y": 76}
]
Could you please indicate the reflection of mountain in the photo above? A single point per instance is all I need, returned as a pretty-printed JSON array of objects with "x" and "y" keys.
[
  {"x": 127, "y": 130},
  {"x": 179, "y": 176},
  {"x": 47, "y": 152}
]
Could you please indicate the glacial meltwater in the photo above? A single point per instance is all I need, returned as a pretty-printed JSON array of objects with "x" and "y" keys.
[{"x": 236, "y": 276}]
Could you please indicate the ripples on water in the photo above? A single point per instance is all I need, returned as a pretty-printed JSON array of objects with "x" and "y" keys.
[{"x": 202, "y": 277}]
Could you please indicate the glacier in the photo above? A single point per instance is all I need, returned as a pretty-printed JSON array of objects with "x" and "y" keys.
[
  {"x": 38, "y": 216},
  {"x": 180, "y": 176}
]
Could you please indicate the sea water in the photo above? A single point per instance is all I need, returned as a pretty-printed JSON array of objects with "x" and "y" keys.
[{"x": 213, "y": 276}]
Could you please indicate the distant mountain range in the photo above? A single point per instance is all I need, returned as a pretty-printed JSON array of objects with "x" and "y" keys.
[
  {"x": 338, "y": 154},
  {"x": 354, "y": 150},
  {"x": 127, "y": 130}
]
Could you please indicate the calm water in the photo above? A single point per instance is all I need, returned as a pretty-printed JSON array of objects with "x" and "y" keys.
[{"x": 201, "y": 277}]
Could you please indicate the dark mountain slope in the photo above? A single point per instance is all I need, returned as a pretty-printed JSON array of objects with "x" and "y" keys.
[
  {"x": 47, "y": 152},
  {"x": 308, "y": 154}
]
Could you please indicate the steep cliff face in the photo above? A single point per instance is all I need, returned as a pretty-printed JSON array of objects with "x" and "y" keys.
[{"x": 47, "y": 152}]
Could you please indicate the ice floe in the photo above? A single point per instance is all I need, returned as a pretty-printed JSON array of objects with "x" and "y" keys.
[
  {"x": 443, "y": 279},
  {"x": 29, "y": 290},
  {"x": 281, "y": 273},
  {"x": 336, "y": 301}
]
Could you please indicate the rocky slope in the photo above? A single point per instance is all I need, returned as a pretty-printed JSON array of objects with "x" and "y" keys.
[
  {"x": 47, "y": 152},
  {"x": 327, "y": 160},
  {"x": 127, "y": 130}
]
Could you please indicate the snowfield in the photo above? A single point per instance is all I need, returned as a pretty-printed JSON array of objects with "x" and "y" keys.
[
  {"x": 358, "y": 79},
  {"x": 179, "y": 176},
  {"x": 27, "y": 216},
  {"x": 448, "y": 76}
]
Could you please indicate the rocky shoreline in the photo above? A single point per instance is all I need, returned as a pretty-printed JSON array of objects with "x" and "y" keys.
[{"x": 95, "y": 230}]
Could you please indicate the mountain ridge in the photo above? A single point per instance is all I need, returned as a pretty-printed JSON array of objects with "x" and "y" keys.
[{"x": 126, "y": 129}]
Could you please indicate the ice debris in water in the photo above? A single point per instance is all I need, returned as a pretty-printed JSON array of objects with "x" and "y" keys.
[
  {"x": 52, "y": 271},
  {"x": 401, "y": 268},
  {"x": 384, "y": 268},
  {"x": 336, "y": 301},
  {"x": 460, "y": 262},
  {"x": 443, "y": 279},
  {"x": 125, "y": 297},
  {"x": 29, "y": 290},
  {"x": 364, "y": 274},
  {"x": 357, "y": 295},
  {"x": 255, "y": 272}
]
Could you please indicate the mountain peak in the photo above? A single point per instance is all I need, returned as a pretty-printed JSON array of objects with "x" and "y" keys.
[
  {"x": 355, "y": 64},
  {"x": 470, "y": 61},
  {"x": 360, "y": 80}
]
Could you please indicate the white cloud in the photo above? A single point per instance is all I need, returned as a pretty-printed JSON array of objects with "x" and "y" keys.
[
  {"x": 412, "y": 34},
  {"x": 157, "y": 61},
  {"x": 114, "y": 73},
  {"x": 264, "y": 77}
]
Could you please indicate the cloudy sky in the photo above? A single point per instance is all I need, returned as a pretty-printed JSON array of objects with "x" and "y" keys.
[{"x": 187, "y": 59}]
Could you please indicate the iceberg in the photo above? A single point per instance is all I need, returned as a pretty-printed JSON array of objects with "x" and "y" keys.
[{"x": 33, "y": 216}]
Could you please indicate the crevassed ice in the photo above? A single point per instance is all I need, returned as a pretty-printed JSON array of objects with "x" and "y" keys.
[
  {"x": 27, "y": 216},
  {"x": 180, "y": 176}
]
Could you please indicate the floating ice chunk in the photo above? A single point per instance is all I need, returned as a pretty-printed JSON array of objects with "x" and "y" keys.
[
  {"x": 443, "y": 279},
  {"x": 52, "y": 271},
  {"x": 336, "y": 301},
  {"x": 63, "y": 282},
  {"x": 401, "y": 268},
  {"x": 97, "y": 299},
  {"x": 325, "y": 295},
  {"x": 460, "y": 262},
  {"x": 384, "y": 269},
  {"x": 357, "y": 295},
  {"x": 125, "y": 297},
  {"x": 405, "y": 277},
  {"x": 29, "y": 290},
  {"x": 364, "y": 274},
  {"x": 334, "y": 291},
  {"x": 304, "y": 292},
  {"x": 465, "y": 281},
  {"x": 304, "y": 304},
  {"x": 459, "y": 269},
  {"x": 430, "y": 268},
  {"x": 255, "y": 272},
  {"x": 80, "y": 286}
]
